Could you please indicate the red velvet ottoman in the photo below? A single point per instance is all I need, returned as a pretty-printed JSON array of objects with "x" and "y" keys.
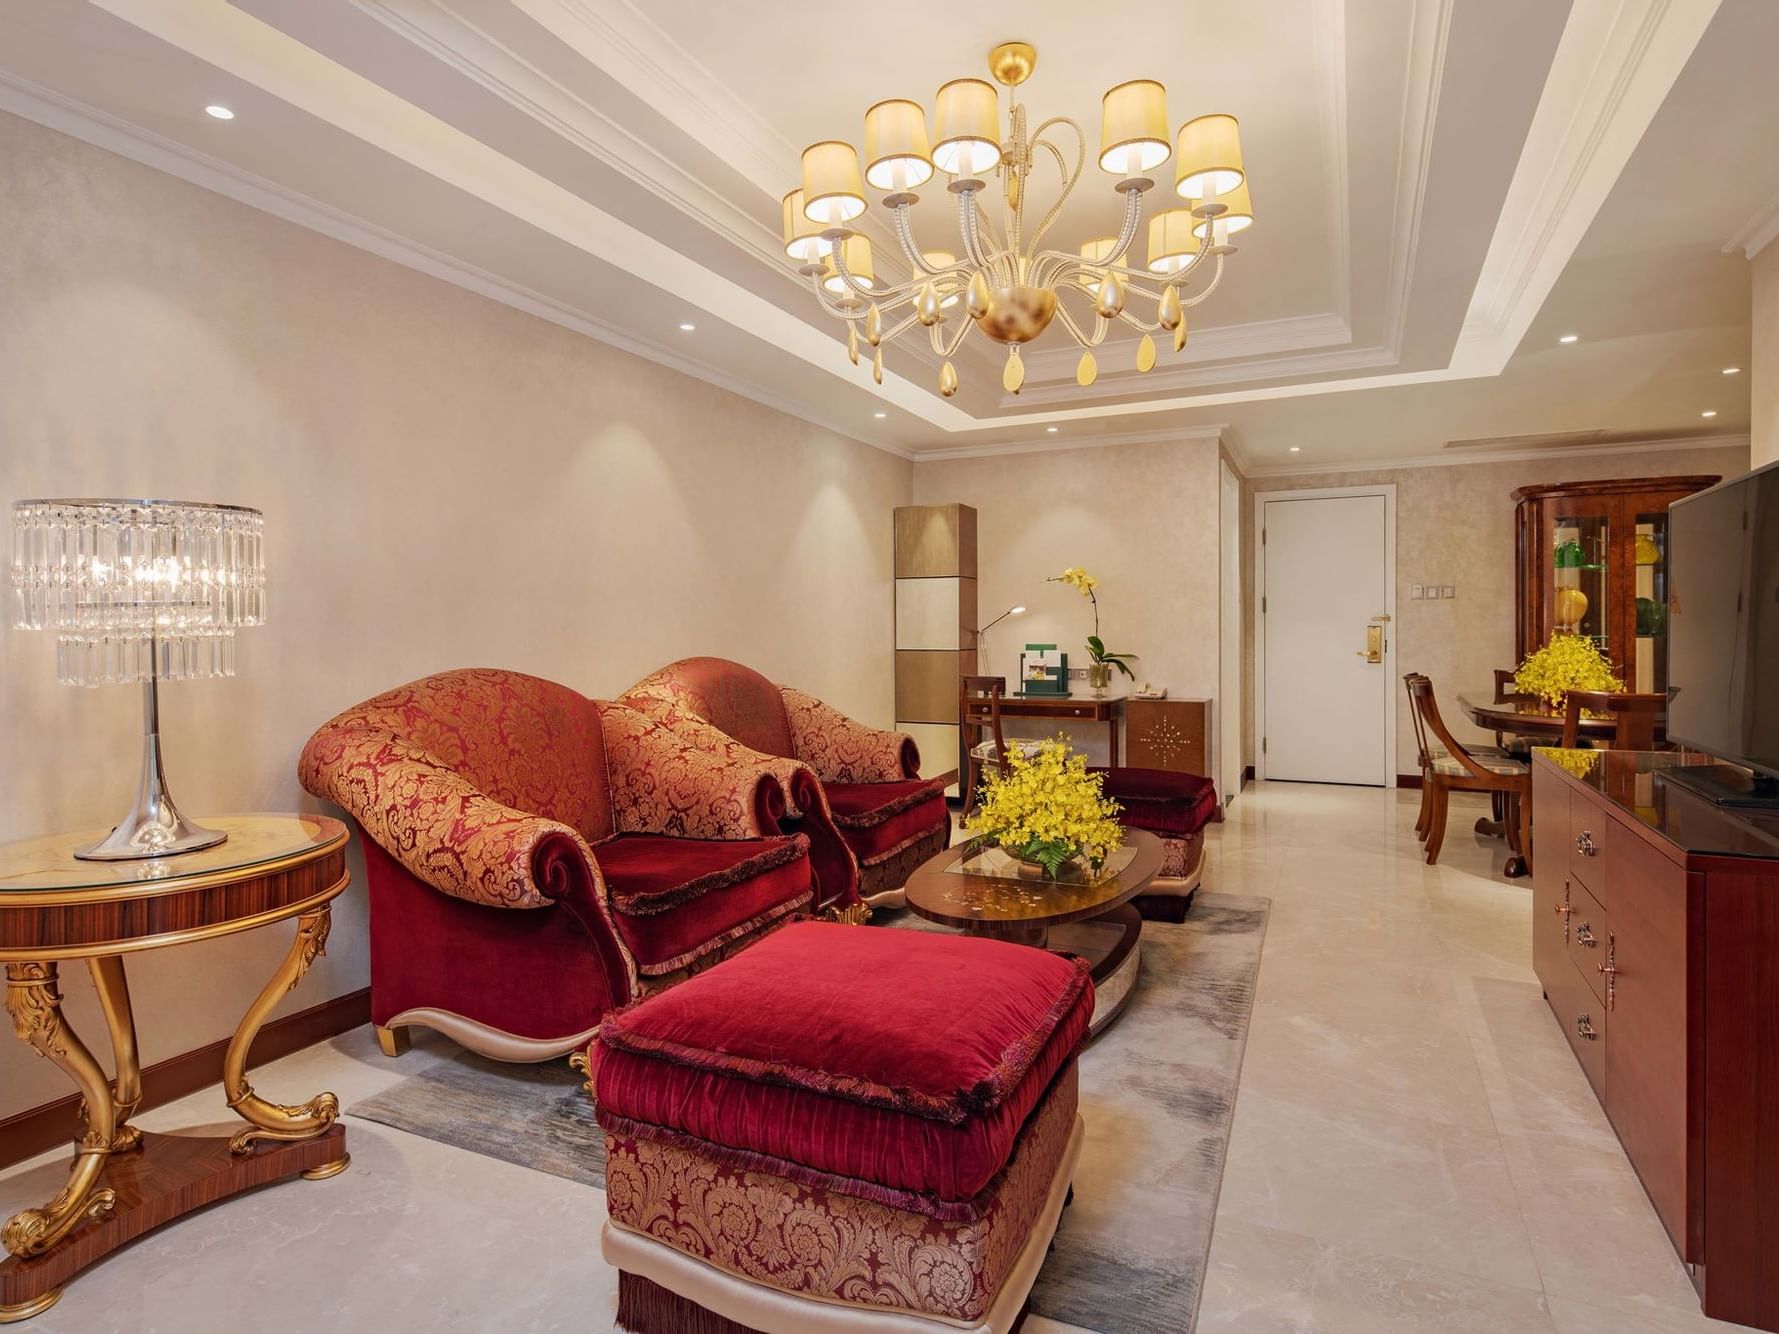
[
  {"x": 842, "y": 1128},
  {"x": 1175, "y": 808}
]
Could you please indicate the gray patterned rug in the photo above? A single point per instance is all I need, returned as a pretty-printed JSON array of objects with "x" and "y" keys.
[{"x": 1157, "y": 1092}]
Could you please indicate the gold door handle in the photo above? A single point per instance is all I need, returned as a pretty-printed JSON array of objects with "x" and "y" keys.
[{"x": 1374, "y": 643}]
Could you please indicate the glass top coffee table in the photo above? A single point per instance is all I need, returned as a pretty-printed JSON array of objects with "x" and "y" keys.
[{"x": 985, "y": 894}]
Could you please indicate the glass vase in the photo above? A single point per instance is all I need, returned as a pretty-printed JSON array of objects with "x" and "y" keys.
[{"x": 1099, "y": 677}]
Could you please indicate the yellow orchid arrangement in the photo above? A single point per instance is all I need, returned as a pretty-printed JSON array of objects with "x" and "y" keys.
[
  {"x": 1048, "y": 809},
  {"x": 1568, "y": 662},
  {"x": 1079, "y": 579}
]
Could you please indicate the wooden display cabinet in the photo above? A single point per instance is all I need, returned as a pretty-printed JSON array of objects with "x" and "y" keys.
[{"x": 1592, "y": 558}]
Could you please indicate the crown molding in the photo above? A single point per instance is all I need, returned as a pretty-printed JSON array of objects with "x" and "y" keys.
[
  {"x": 1187, "y": 378},
  {"x": 90, "y": 125},
  {"x": 1685, "y": 444},
  {"x": 1758, "y": 232},
  {"x": 1231, "y": 342},
  {"x": 1429, "y": 37},
  {"x": 1177, "y": 435},
  {"x": 1614, "y": 66}
]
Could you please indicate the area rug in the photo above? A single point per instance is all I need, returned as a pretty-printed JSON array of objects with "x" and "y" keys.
[{"x": 1157, "y": 1092}]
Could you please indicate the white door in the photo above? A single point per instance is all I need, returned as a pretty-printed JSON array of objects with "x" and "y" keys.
[
  {"x": 1229, "y": 703},
  {"x": 1326, "y": 581}
]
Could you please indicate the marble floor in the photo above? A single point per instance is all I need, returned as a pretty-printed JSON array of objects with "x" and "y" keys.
[{"x": 1414, "y": 1147}]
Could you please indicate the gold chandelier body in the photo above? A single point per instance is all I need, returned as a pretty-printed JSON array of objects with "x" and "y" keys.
[{"x": 1010, "y": 287}]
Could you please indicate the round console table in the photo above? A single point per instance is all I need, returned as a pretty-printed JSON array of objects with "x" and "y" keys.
[
  {"x": 125, "y": 1182},
  {"x": 982, "y": 894}
]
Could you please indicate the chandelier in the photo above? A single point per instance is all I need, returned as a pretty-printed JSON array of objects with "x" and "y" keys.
[{"x": 1010, "y": 288}]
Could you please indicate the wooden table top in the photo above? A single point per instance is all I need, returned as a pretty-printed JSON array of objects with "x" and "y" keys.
[
  {"x": 271, "y": 866},
  {"x": 940, "y": 892},
  {"x": 1530, "y": 717}
]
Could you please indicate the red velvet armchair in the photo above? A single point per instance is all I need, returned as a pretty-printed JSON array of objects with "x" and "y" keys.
[
  {"x": 890, "y": 818},
  {"x": 536, "y": 858}
]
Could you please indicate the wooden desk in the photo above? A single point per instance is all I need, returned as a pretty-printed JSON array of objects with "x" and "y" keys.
[
  {"x": 1061, "y": 708},
  {"x": 125, "y": 1181}
]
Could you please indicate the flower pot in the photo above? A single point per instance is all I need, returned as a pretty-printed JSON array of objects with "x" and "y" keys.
[{"x": 1099, "y": 676}]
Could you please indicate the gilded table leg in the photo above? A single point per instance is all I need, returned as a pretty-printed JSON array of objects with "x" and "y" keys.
[
  {"x": 35, "y": 1004},
  {"x": 126, "y": 1089},
  {"x": 270, "y": 1120}
]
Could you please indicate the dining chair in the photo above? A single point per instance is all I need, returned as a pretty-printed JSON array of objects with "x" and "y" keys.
[
  {"x": 1422, "y": 755},
  {"x": 1464, "y": 768},
  {"x": 979, "y": 706},
  {"x": 1634, "y": 717}
]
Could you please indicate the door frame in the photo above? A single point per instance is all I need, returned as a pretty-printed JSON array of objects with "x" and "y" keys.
[
  {"x": 1261, "y": 499},
  {"x": 1231, "y": 689}
]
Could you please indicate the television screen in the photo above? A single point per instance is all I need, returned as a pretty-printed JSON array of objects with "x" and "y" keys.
[{"x": 1723, "y": 620}]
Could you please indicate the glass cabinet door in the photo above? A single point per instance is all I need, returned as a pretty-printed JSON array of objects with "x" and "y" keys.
[
  {"x": 1647, "y": 670},
  {"x": 1580, "y": 554}
]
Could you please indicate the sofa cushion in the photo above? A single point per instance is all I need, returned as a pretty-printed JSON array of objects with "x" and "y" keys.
[
  {"x": 1159, "y": 800},
  {"x": 894, "y": 1065},
  {"x": 678, "y": 899},
  {"x": 878, "y": 820}
]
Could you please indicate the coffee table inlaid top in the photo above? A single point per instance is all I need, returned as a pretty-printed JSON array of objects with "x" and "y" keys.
[{"x": 940, "y": 892}]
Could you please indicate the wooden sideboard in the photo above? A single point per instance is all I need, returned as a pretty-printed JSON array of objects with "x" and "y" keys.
[{"x": 1655, "y": 934}]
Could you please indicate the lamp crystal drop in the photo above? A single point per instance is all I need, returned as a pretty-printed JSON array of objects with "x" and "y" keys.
[
  {"x": 947, "y": 380},
  {"x": 137, "y": 588},
  {"x": 1087, "y": 370},
  {"x": 1146, "y": 353}
]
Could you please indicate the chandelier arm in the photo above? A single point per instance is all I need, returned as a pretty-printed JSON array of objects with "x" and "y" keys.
[
  {"x": 1135, "y": 323},
  {"x": 897, "y": 328},
  {"x": 829, "y": 304},
  {"x": 968, "y": 225},
  {"x": 962, "y": 333},
  {"x": 1216, "y": 278},
  {"x": 1069, "y": 179},
  {"x": 1068, "y": 322},
  {"x": 905, "y": 234}
]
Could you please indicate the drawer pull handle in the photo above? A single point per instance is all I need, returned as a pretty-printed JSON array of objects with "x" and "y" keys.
[
  {"x": 1584, "y": 843},
  {"x": 1584, "y": 1028},
  {"x": 1584, "y": 935},
  {"x": 1609, "y": 970},
  {"x": 1564, "y": 909}
]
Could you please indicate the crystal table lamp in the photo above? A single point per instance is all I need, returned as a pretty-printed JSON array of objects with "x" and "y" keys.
[{"x": 140, "y": 591}]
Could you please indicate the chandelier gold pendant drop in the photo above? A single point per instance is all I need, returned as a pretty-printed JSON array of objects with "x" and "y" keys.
[{"x": 1010, "y": 288}]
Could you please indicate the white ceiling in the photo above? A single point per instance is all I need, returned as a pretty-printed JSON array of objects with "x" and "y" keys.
[{"x": 1441, "y": 186}]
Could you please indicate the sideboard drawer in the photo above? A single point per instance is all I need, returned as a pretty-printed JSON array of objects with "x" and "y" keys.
[
  {"x": 1589, "y": 931},
  {"x": 1587, "y": 845},
  {"x": 1583, "y": 1017}
]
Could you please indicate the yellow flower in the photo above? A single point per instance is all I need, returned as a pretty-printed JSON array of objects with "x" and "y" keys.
[
  {"x": 1048, "y": 808},
  {"x": 1568, "y": 662}
]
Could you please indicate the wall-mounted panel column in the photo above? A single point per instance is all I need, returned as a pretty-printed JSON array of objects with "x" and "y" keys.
[{"x": 935, "y": 556}]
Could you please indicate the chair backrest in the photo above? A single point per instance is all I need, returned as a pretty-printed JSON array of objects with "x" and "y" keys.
[
  {"x": 1420, "y": 691},
  {"x": 1505, "y": 687},
  {"x": 979, "y": 702},
  {"x": 1414, "y": 713},
  {"x": 529, "y": 743},
  {"x": 732, "y": 698},
  {"x": 1634, "y": 716}
]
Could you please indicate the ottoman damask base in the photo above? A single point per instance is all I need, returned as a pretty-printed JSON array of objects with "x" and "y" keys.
[{"x": 842, "y": 1130}]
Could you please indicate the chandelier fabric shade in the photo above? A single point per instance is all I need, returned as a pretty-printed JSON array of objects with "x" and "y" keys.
[
  {"x": 833, "y": 192},
  {"x": 1133, "y": 128},
  {"x": 1237, "y": 215},
  {"x": 1000, "y": 278},
  {"x": 857, "y": 253},
  {"x": 1210, "y": 157},
  {"x": 802, "y": 237},
  {"x": 896, "y": 153},
  {"x": 966, "y": 127},
  {"x": 1172, "y": 243}
]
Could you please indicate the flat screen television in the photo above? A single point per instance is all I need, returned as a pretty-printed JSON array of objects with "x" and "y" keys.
[{"x": 1723, "y": 627}]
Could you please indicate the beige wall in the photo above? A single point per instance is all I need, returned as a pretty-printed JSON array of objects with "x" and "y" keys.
[
  {"x": 1142, "y": 518},
  {"x": 1763, "y": 369},
  {"x": 1454, "y": 525},
  {"x": 446, "y": 482}
]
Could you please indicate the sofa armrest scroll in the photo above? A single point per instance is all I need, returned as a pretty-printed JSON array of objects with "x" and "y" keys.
[
  {"x": 444, "y": 830},
  {"x": 843, "y": 750}
]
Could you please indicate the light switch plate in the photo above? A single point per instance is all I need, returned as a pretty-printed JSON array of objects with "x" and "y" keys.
[
  {"x": 1417, "y": 590},
  {"x": 1447, "y": 591}
]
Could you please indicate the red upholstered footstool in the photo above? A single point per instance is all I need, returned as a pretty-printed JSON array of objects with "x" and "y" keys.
[
  {"x": 842, "y": 1128},
  {"x": 1175, "y": 808}
]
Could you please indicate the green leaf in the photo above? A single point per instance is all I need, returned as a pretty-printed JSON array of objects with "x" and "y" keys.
[
  {"x": 1096, "y": 646},
  {"x": 1121, "y": 665}
]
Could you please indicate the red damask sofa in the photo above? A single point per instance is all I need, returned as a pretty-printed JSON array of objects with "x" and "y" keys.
[
  {"x": 536, "y": 858},
  {"x": 891, "y": 818}
]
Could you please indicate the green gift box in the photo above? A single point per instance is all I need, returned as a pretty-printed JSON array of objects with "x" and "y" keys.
[{"x": 1043, "y": 670}]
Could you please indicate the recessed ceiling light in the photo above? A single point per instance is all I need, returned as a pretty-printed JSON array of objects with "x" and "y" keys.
[
  {"x": 219, "y": 111},
  {"x": 1051, "y": 429},
  {"x": 1297, "y": 449},
  {"x": 1570, "y": 338},
  {"x": 880, "y": 414},
  {"x": 687, "y": 328},
  {"x": 1732, "y": 370},
  {"x": 1709, "y": 412}
]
